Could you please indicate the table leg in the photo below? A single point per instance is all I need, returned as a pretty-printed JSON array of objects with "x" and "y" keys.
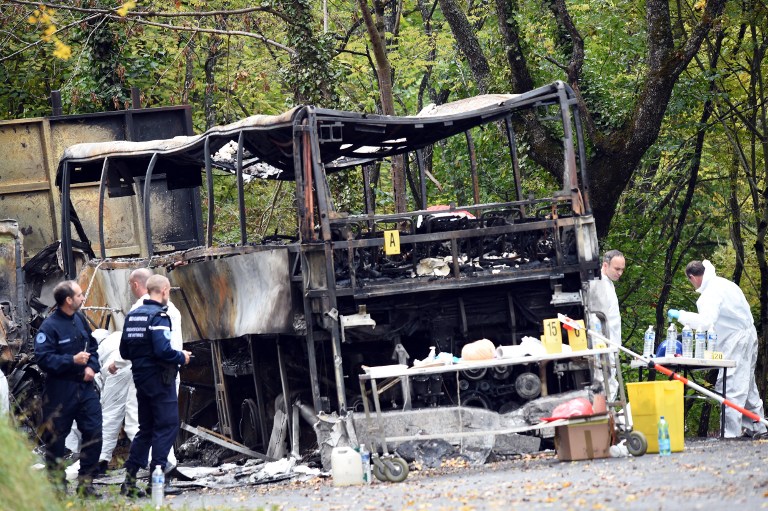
[
  {"x": 722, "y": 406},
  {"x": 543, "y": 377}
]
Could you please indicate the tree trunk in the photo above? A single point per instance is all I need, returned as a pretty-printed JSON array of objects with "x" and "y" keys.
[
  {"x": 617, "y": 153},
  {"x": 210, "y": 81},
  {"x": 376, "y": 34}
]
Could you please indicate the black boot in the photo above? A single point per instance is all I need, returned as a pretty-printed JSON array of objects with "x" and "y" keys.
[
  {"x": 102, "y": 468},
  {"x": 129, "y": 488},
  {"x": 170, "y": 489},
  {"x": 85, "y": 488}
]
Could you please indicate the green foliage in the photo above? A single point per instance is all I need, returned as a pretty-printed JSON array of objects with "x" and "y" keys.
[
  {"x": 21, "y": 487},
  {"x": 334, "y": 69}
]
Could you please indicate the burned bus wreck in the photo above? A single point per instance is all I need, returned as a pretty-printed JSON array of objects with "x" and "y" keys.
[{"x": 293, "y": 318}]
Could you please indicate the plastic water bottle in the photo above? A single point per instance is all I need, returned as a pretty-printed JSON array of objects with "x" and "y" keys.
[
  {"x": 665, "y": 447},
  {"x": 597, "y": 326},
  {"x": 711, "y": 340},
  {"x": 701, "y": 342},
  {"x": 649, "y": 340},
  {"x": 687, "y": 342},
  {"x": 365, "y": 455},
  {"x": 671, "y": 340},
  {"x": 158, "y": 487}
]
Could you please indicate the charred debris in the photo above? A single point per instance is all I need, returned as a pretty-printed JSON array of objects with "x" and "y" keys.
[{"x": 281, "y": 327}]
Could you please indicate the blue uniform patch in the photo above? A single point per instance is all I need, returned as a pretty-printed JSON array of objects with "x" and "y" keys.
[
  {"x": 40, "y": 339},
  {"x": 167, "y": 334}
]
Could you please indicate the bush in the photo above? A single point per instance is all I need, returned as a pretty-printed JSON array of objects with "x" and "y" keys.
[{"x": 21, "y": 487}]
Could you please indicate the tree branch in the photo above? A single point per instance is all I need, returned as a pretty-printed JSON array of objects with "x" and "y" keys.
[
  {"x": 155, "y": 14},
  {"x": 40, "y": 41},
  {"x": 178, "y": 28}
]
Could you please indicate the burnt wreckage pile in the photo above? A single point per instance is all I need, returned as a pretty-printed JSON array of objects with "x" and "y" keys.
[
  {"x": 309, "y": 308},
  {"x": 525, "y": 250}
]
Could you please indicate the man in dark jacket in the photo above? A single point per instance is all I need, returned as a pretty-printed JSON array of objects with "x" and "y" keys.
[
  {"x": 67, "y": 353},
  {"x": 146, "y": 342}
]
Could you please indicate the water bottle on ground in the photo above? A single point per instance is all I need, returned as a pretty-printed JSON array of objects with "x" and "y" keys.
[
  {"x": 700, "y": 338},
  {"x": 365, "y": 455},
  {"x": 649, "y": 340},
  {"x": 158, "y": 487},
  {"x": 687, "y": 342},
  {"x": 665, "y": 447},
  {"x": 671, "y": 340},
  {"x": 711, "y": 340}
]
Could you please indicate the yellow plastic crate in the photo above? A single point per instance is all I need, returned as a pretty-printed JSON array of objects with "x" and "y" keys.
[{"x": 650, "y": 400}]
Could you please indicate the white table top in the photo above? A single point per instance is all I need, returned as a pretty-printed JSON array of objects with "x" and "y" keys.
[
  {"x": 398, "y": 370},
  {"x": 694, "y": 364}
]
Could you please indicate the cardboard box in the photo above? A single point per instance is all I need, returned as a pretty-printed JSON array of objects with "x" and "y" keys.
[{"x": 583, "y": 441}]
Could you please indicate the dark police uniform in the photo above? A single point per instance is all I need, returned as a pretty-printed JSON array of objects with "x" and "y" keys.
[
  {"x": 146, "y": 342},
  {"x": 67, "y": 396}
]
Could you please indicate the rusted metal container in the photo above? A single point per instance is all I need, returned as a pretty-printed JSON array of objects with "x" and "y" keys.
[{"x": 29, "y": 155}]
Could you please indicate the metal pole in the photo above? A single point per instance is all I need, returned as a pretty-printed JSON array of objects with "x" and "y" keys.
[
  {"x": 422, "y": 177},
  {"x": 209, "y": 188},
  {"x": 240, "y": 192},
  {"x": 102, "y": 186},
  {"x": 66, "y": 232},
  {"x": 515, "y": 162},
  {"x": 147, "y": 221}
]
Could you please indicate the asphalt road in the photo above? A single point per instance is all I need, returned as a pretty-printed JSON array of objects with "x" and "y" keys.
[{"x": 709, "y": 474}]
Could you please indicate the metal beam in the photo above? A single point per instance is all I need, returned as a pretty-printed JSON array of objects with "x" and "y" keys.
[{"x": 212, "y": 436}]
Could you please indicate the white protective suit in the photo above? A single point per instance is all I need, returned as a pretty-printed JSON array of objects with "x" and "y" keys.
[
  {"x": 72, "y": 442},
  {"x": 5, "y": 403},
  {"x": 723, "y": 304},
  {"x": 602, "y": 298},
  {"x": 114, "y": 395},
  {"x": 132, "y": 408}
]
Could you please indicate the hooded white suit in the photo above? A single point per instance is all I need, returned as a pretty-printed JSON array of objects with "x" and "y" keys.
[
  {"x": 4, "y": 395},
  {"x": 602, "y": 298},
  {"x": 723, "y": 304}
]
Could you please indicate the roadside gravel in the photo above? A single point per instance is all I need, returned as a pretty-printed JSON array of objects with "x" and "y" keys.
[{"x": 709, "y": 474}]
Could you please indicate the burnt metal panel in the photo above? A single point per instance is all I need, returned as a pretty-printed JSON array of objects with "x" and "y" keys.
[
  {"x": 107, "y": 287},
  {"x": 9, "y": 234},
  {"x": 13, "y": 321},
  {"x": 29, "y": 152},
  {"x": 171, "y": 212},
  {"x": 25, "y": 182},
  {"x": 235, "y": 296},
  {"x": 121, "y": 222}
]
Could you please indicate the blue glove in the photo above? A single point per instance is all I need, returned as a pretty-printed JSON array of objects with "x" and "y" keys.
[{"x": 673, "y": 314}]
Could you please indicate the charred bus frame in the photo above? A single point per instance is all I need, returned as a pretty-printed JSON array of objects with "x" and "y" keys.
[{"x": 328, "y": 272}]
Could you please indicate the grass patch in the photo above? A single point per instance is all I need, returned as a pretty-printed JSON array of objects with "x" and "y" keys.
[
  {"x": 21, "y": 487},
  {"x": 25, "y": 489}
]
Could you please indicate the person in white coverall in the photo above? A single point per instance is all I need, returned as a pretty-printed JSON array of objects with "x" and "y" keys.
[
  {"x": 115, "y": 405},
  {"x": 114, "y": 389},
  {"x": 5, "y": 403},
  {"x": 723, "y": 304},
  {"x": 602, "y": 298}
]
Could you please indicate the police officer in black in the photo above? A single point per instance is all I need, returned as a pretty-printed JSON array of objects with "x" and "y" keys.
[
  {"x": 67, "y": 353},
  {"x": 146, "y": 342}
]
